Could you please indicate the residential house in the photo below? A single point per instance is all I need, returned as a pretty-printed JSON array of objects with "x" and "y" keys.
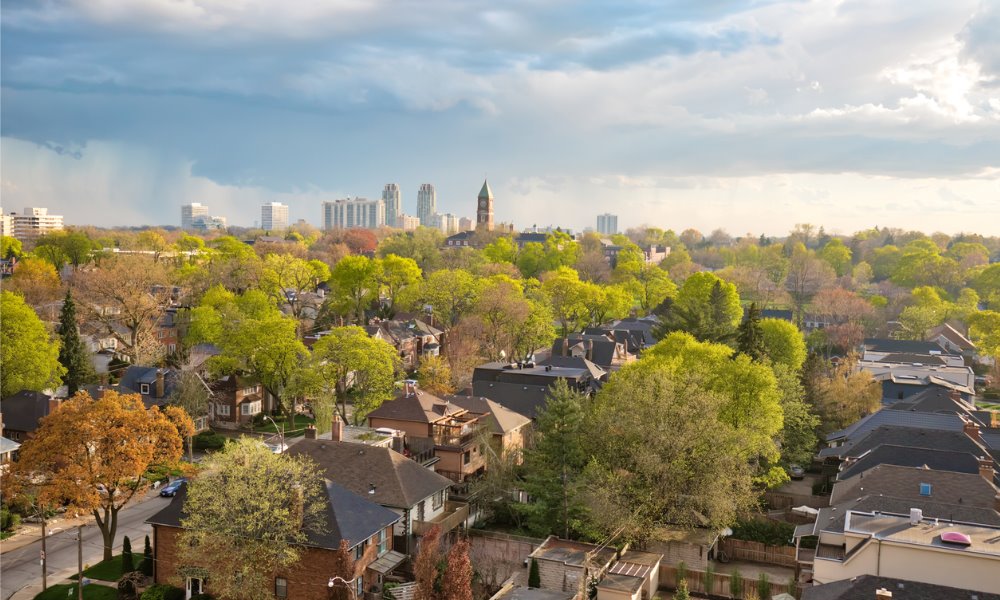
[
  {"x": 601, "y": 349},
  {"x": 967, "y": 440},
  {"x": 952, "y": 340},
  {"x": 524, "y": 387},
  {"x": 892, "y": 416},
  {"x": 871, "y": 587},
  {"x": 8, "y": 448},
  {"x": 943, "y": 460},
  {"x": 901, "y": 380},
  {"x": 154, "y": 384},
  {"x": 167, "y": 330},
  {"x": 235, "y": 401},
  {"x": 911, "y": 547},
  {"x": 567, "y": 566},
  {"x": 23, "y": 411},
  {"x": 654, "y": 255},
  {"x": 339, "y": 432},
  {"x": 413, "y": 339},
  {"x": 456, "y": 435},
  {"x": 461, "y": 239},
  {"x": 416, "y": 494},
  {"x": 919, "y": 484},
  {"x": 638, "y": 332},
  {"x": 364, "y": 524},
  {"x": 510, "y": 429}
]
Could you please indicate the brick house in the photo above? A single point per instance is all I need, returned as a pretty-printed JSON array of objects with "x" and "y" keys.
[
  {"x": 510, "y": 429},
  {"x": 413, "y": 339},
  {"x": 236, "y": 400},
  {"x": 365, "y": 525}
]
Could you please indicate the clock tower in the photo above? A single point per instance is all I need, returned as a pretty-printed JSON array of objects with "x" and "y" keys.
[{"x": 484, "y": 209}]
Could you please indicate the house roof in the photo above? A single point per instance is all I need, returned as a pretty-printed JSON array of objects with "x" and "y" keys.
[
  {"x": 621, "y": 582},
  {"x": 906, "y": 357},
  {"x": 960, "y": 462},
  {"x": 501, "y": 418},
  {"x": 574, "y": 554},
  {"x": 863, "y": 588},
  {"x": 8, "y": 445},
  {"x": 399, "y": 482},
  {"x": 574, "y": 362},
  {"x": 904, "y": 346},
  {"x": 23, "y": 410},
  {"x": 527, "y": 400},
  {"x": 952, "y": 335},
  {"x": 947, "y": 487},
  {"x": 831, "y": 518},
  {"x": 914, "y": 437},
  {"x": 890, "y": 416},
  {"x": 935, "y": 399},
  {"x": 348, "y": 516},
  {"x": 603, "y": 348},
  {"x": 421, "y": 407},
  {"x": 134, "y": 377}
]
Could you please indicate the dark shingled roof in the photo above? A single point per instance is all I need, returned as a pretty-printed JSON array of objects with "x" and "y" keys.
[
  {"x": 904, "y": 482},
  {"x": 903, "y": 346},
  {"x": 501, "y": 418},
  {"x": 914, "y": 437},
  {"x": 23, "y": 410},
  {"x": 864, "y": 587},
  {"x": 892, "y": 416},
  {"x": 960, "y": 462},
  {"x": 904, "y": 357},
  {"x": 399, "y": 482},
  {"x": 525, "y": 399},
  {"x": 349, "y": 516}
]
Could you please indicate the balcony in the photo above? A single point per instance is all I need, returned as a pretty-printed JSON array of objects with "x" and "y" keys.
[
  {"x": 455, "y": 513},
  {"x": 458, "y": 435}
]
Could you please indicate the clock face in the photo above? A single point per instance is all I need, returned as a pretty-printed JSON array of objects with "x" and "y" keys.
[{"x": 482, "y": 204}]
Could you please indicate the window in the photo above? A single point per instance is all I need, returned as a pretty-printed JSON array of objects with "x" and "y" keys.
[
  {"x": 438, "y": 499},
  {"x": 360, "y": 587},
  {"x": 280, "y": 587},
  {"x": 250, "y": 408},
  {"x": 466, "y": 457},
  {"x": 382, "y": 538},
  {"x": 925, "y": 489},
  {"x": 359, "y": 550},
  {"x": 222, "y": 410},
  {"x": 143, "y": 388}
]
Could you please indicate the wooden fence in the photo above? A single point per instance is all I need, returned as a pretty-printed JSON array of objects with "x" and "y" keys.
[
  {"x": 719, "y": 584},
  {"x": 757, "y": 552},
  {"x": 404, "y": 591}
]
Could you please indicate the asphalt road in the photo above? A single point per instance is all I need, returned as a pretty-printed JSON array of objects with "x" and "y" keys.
[{"x": 21, "y": 567}]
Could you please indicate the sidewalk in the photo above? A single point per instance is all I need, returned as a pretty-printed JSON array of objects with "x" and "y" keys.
[{"x": 30, "y": 533}]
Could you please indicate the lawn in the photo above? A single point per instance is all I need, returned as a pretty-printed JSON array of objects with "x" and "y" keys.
[
  {"x": 109, "y": 570},
  {"x": 93, "y": 591},
  {"x": 301, "y": 421}
]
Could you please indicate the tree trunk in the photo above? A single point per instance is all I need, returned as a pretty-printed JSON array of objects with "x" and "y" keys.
[
  {"x": 108, "y": 526},
  {"x": 191, "y": 448}
]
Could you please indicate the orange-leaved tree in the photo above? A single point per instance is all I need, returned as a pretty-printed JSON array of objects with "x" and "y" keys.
[{"x": 91, "y": 455}]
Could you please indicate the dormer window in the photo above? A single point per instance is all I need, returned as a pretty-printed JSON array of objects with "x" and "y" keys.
[
  {"x": 144, "y": 388},
  {"x": 925, "y": 489}
]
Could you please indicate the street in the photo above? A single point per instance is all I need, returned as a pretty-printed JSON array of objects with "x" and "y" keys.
[{"x": 21, "y": 567}]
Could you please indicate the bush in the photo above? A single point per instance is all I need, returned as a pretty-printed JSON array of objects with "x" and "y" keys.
[
  {"x": 128, "y": 564},
  {"x": 682, "y": 571},
  {"x": 129, "y": 584},
  {"x": 534, "y": 578},
  {"x": 209, "y": 440},
  {"x": 162, "y": 591},
  {"x": 736, "y": 584},
  {"x": 772, "y": 533},
  {"x": 763, "y": 586},
  {"x": 681, "y": 593},
  {"x": 9, "y": 521},
  {"x": 147, "y": 559}
]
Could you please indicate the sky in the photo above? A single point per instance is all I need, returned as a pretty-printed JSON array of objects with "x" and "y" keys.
[{"x": 751, "y": 116}]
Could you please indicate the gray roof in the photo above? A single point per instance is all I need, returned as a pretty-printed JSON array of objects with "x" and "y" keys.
[
  {"x": 23, "y": 410},
  {"x": 914, "y": 437},
  {"x": 399, "y": 482},
  {"x": 903, "y": 346},
  {"x": 486, "y": 192},
  {"x": 864, "y": 587},
  {"x": 575, "y": 362},
  {"x": 422, "y": 407},
  {"x": 603, "y": 347},
  {"x": 906, "y": 418},
  {"x": 134, "y": 377},
  {"x": 831, "y": 519},
  {"x": 947, "y": 487},
  {"x": 527, "y": 400},
  {"x": 960, "y": 462},
  {"x": 935, "y": 399},
  {"x": 8, "y": 445}
]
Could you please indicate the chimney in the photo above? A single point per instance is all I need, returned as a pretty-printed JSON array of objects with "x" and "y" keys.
[
  {"x": 883, "y": 594},
  {"x": 955, "y": 395},
  {"x": 986, "y": 468},
  {"x": 565, "y": 347},
  {"x": 337, "y": 431},
  {"x": 310, "y": 432},
  {"x": 55, "y": 402},
  {"x": 590, "y": 350},
  {"x": 159, "y": 383},
  {"x": 971, "y": 429}
]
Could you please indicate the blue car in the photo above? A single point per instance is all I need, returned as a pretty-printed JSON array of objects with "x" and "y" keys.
[{"x": 170, "y": 490}]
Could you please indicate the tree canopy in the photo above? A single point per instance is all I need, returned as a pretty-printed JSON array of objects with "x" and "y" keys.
[{"x": 29, "y": 357}]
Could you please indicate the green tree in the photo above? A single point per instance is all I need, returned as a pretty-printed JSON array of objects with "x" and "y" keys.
[
  {"x": 534, "y": 579},
  {"x": 531, "y": 259},
  {"x": 10, "y": 247},
  {"x": 423, "y": 246},
  {"x": 807, "y": 275},
  {"x": 560, "y": 249},
  {"x": 501, "y": 250},
  {"x": 750, "y": 335},
  {"x": 128, "y": 563},
  {"x": 352, "y": 364},
  {"x": 706, "y": 307},
  {"x": 73, "y": 354},
  {"x": 191, "y": 394},
  {"x": 650, "y": 286},
  {"x": 283, "y": 502},
  {"x": 29, "y": 358},
  {"x": 984, "y": 327},
  {"x": 570, "y": 298},
  {"x": 35, "y": 280},
  {"x": 355, "y": 283},
  {"x": 396, "y": 275},
  {"x": 681, "y": 593},
  {"x": 841, "y": 395},
  {"x": 783, "y": 343},
  {"x": 434, "y": 376},
  {"x": 147, "y": 559},
  {"x": 286, "y": 278},
  {"x": 837, "y": 255},
  {"x": 554, "y": 463},
  {"x": 449, "y": 293},
  {"x": 799, "y": 424}
]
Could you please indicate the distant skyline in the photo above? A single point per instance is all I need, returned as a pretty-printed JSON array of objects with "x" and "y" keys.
[{"x": 746, "y": 115}]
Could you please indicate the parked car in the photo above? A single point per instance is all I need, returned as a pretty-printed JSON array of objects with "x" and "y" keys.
[
  {"x": 276, "y": 447},
  {"x": 170, "y": 490},
  {"x": 796, "y": 472}
]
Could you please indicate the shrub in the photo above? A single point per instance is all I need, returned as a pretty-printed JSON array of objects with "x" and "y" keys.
[
  {"x": 202, "y": 596},
  {"x": 128, "y": 564},
  {"x": 772, "y": 533},
  {"x": 9, "y": 521},
  {"x": 161, "y": 591},
  {"x": 736, "y": 584},
  {"x": 534, "y": 578},
  {"x": 209, "y": 440},
  {"x": 389, "y": 585},
  {"x": 763, "y": 586},
  {"x": 682, "y": 590},
  {"x": 129, "y": 584},
  {"x": 147, "y": 559}
]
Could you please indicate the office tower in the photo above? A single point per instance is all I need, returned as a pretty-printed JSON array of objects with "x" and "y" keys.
[
  {"x": 466, "y": 224},
  {"x": 6, "y": 225},
  {"x": 393, "y": 204},
  {"x": 274, "y": 217},
  {"x": 607, "y": 224},
  {"x": 427, "y": 205},
  {"x": 484, "y": 208},
  {"x": 34, "y": 222},
  {"x": 408, "y": 222},
  {"x": 448, "y": 223},
  {"x": 357, "y": 212},
  {"x": 190, "y": 212}
]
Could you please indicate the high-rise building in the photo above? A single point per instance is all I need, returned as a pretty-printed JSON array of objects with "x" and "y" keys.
[
  {"x": 34, "y": 222},
  {"x": 427, "y": 205},
  {"x": 274, "y": 216},
  {"x": 466, "y": 224},
  {"x": 393, "y": 204},
  {"x": 607, "y": 224},
  {"x": 484, "y": 208},
  {"x": 408, "y": 222},
  {"x": 448, "y": 223},
  {"x": 190, "y": 212},
  {"x": 357, "y": 212},
  {"x": 6, "y": 224}
]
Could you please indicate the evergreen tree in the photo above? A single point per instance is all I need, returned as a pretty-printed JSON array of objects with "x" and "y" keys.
[
  {"x": 750, "y": 336},
  {"x": 147, "y": 559},
  {"x": 128, "y": 564},
  {"x": 534, "y": 578},
  {"x": 73, "y": 355}
]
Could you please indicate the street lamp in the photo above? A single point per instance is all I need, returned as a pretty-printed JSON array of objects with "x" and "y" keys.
[
  {"x": 348, "y": 583},
  {"x": 281, "y": 432}
]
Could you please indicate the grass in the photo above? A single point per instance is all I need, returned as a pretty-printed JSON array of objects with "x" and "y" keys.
[
  {"x": 301, "y": 421},
  {"x": 109, "y": 570},
  {"x": 93, "y": 591}
]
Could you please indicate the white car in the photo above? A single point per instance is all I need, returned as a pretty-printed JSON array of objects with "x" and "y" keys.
[{"x": 276, "y": 447}]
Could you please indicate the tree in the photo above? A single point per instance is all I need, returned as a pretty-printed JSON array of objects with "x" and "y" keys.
[
  {"x": 128, "y": 565},
  {"x": 506, "y": 323},
  {"x": 449, "y": 293},
  {"x": 147, "y": 558},
  {"x": 807, "y": 275},
  {"x": 282, "y": 501},
  {"x": 750, "y": 335},
  {"x": 984, "y": 327},
  {"x": 534, "y": 579},
  {"x": 91, "y": 454},
  {"x": 798, "y": 431},
  {"x": 501, "y": 250},
  {"x": 434, "y": 375},
  {"x": 531, "y": 259},
  {"x": 570, "y": 298},
  {"x": 128, "y": 291},
  {"x": 29, "y": 358},
  {"x": 355, "y": 282},
  {"x": 554, "y": 463},
  {"x": 344, "y": 568},
  {"x": 10, "y": 247},
  {"x": 706, "y": 307},
  {"x": 456, "y": 582},
  {"x": 650, "y": 286},
  {"x": 36, "y": 280},
  {"x": 191, "y": 395},
  {"x": 837, "y": 255},
  {"x": 425, "y": 565},
  {"x": 350, "y": 363},
  {"x": 423, "y": 246},
  {"x": 396, "y": 275},
  {"x": 783, "y": 343},
  {"x": 73, "y": 354},
  {"x": 842, "y": 395},
  {"x": 287, "y": 278}
]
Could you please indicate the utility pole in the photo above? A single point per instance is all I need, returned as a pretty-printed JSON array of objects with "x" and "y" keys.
[
  {"x": 45, "y": 575},
  {"x": 79, "y": 562}
]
